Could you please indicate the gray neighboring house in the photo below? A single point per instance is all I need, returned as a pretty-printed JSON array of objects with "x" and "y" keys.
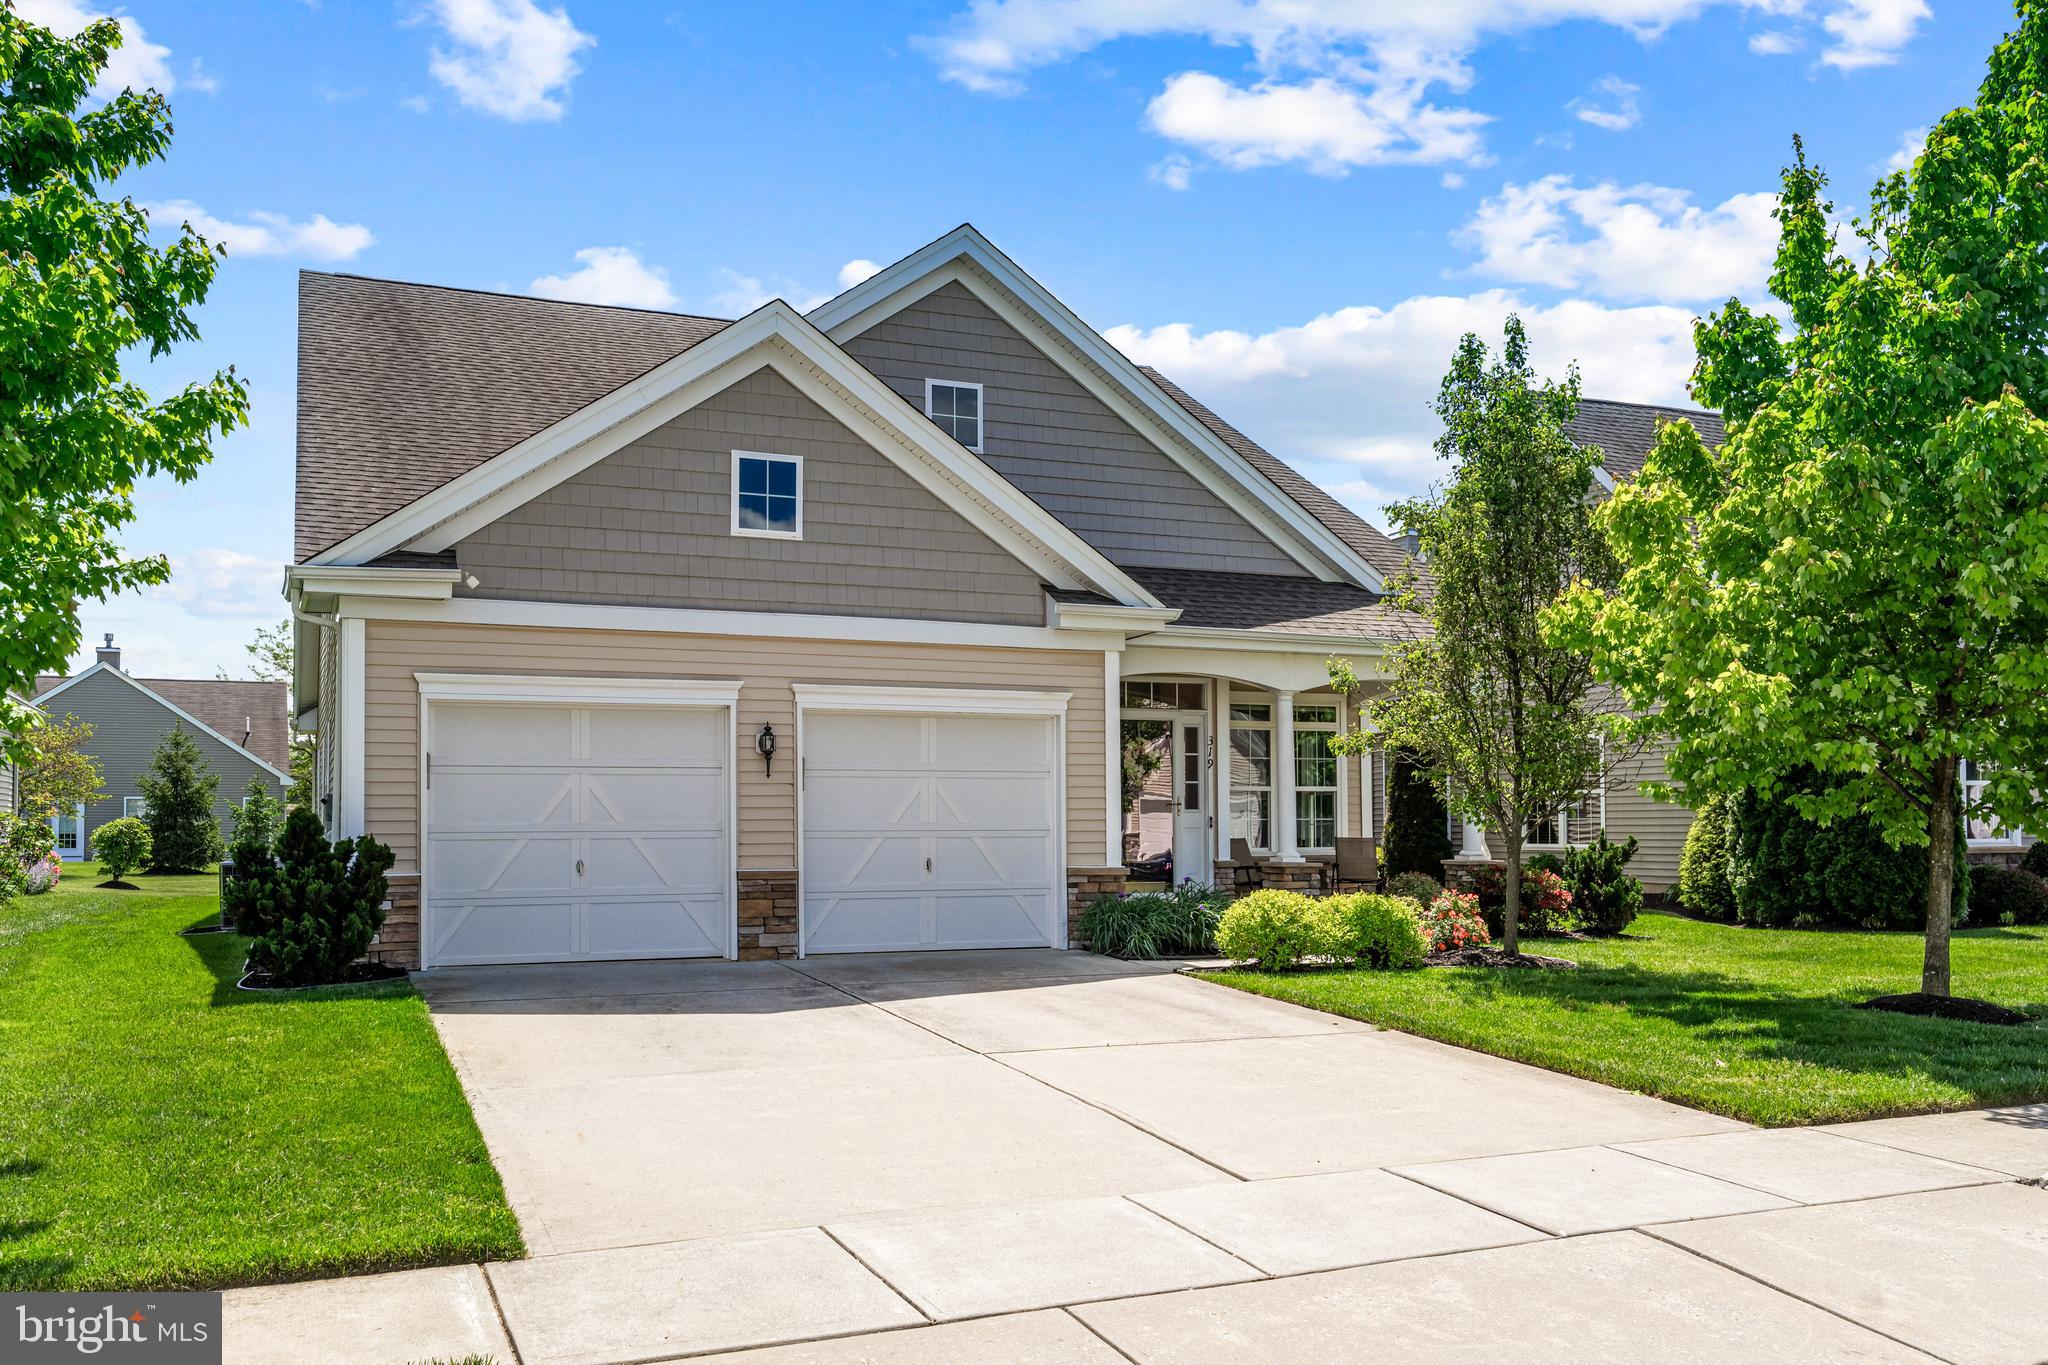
[{"x": 242, "y": 730}]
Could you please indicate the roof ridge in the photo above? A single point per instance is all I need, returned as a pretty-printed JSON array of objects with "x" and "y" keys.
[
  {"x": 1648, "y": 407},
  {"x": 509, "y": 294}
]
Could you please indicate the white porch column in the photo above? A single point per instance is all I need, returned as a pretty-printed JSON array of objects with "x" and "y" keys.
[
  {"x": 1219, "y": 740},
  {"x": 353, "y": 660},
  {"x": 1474, "y": 848},
  {"x": 1113, "y": 758},
  {"x": 1285, "y": 846}
]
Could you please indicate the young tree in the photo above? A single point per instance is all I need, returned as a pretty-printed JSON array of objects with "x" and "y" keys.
[
  {"x": 82, "y": 287},
  {"x": 56, "y": 773},
  {"x": 179, "y": 791},
  {"x": 1856, "y": 584},
  {"x": 121, "y": 846},
  {"x": 1509, "y": 725}
]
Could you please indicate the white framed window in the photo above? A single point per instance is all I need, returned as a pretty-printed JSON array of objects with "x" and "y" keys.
[
  {"x": 134, "y": 806},
  {"x": 1983, "y": 829},
  {"x": 69, "y": 832},
  {"x": 1315, "y": 777},
  {"x": 767, "y": 495},
  {"x": 955, "y": 404},
  {"x": 1251, "y": 774},
  {"x": 1165, "y": 696},
  {"x": 1575, "y": 824}
]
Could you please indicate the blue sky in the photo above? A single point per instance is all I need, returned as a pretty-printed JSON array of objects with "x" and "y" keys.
[{"x": 1293, "y": 208}]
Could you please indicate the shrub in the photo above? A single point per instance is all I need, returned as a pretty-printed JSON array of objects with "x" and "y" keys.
[
  {"x": 1703, "y": 885},
  {"x": 2007, "y": 895},
  {"x": 1273, "y": 930},
  {"x": 1787, "y": 870},
  {"x": 27, "y": 857},
  {"x": 121, "y": 846},
  {"x": 256, "y": 826},
  {"x": 1546, "y": 901},
  {"x": 179, "y": 789},
  {"x": 41, "y": 876},
  {"x": 312, "y": 907},
  {"x": 1416, "y": 837},
  {"x": 2035, "y": 859},
  {"x": 1543, "y": 862},
  {"x": 1374, "y": 931},
  {"x": 1605, "y": 898},
  {"x": 1147, "y": 924},
  {"x": 1419, "y": 887},
  {"x": 1453, "y": 920}
]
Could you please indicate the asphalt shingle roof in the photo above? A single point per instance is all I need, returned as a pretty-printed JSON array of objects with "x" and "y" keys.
[
  {"x": 1625, "y": 432},
  {"x": 234, "y": 708},
  {"x": 403, "y": 387},
  {"x": 1278, "y": 603}
]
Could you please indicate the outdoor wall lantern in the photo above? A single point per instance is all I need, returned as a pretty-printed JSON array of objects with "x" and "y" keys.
[{"x": 764, "y": 745}]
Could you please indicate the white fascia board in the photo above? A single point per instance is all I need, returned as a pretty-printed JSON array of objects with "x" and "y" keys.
[
  {"x": 1243, "y": 487},
  {"x": 768, "y": 625},
  {"x": 1097, "y": 616},
  {"x": 954, "y": 700},
  {"x": 321, "y": 580},
  {"x": 522, "y": 687},
  {"x": 180, "y": 712},
  {"x": 776, "y": 335}
]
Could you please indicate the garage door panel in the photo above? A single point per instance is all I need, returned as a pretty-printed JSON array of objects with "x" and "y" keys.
[
  {"x": 982, "y": 800},
  {"x": 989, "y": 919},
  {"x": 989, "y": 743},
  {"x": 991, "y": 860},
  {"x": 504, "y": 734},
  {"x": 684, "y": 800},
  {"x": 670, "y": 926},
  {"x": 862, "y": 741},
  {"x": 502, "y": 931},
  {"x": 868, "y": 860},
  {"x": 652, "y": 737},
  {"x": 869, "y": 923},
  {"x": 504, "y": 866},
  {"x": 474, "y": 798},
  {"x": 655, "y": 862},
  {"x": 844, "y": 801}
]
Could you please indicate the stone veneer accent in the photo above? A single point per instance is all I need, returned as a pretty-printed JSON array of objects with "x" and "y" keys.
[
  {"x": 1462, "y": 874},
  {"x": 1084, "y": 884},
  {"x": 1306, "y": 877},
  {"x": 768, "y": 906},
  {"x": 398, "y": 942}
]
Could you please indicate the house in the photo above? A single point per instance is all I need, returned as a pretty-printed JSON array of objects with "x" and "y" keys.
[
  {"x": 638, "y": 634},
  {"x": 242, "y": 730}
]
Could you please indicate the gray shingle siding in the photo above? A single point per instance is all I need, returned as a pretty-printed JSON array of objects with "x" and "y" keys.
[
  {"x": 127, "y": 727},
  {"x": 651, "y": 525},
  {"x": 1060, "y": 444}
]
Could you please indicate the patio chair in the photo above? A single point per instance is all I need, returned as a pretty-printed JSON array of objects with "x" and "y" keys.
[
  {"x": 1357, "y": 864},
  {"x": 1244, "y": 871}
]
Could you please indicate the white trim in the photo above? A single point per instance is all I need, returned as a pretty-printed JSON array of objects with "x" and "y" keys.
[
  {"x": 1219, "y": 740},
  {"x": 481, "y": 611},
  {"x": 351, "y": 657},
  {"x": 577, "y": 691},
  {"x": 1113, "y": 749},
  {"x": 1098, "y": 616},
  {"x": 777, "y": 336},
  {"x": 771, "y": 457},
  {"x": 980, "y": 408},
  {"x": 80, "y": 854},
  {"x": 951, "y": 700},
  {"x": 1103, "y": 370},
  {"x": 430, "y": 585},
  {"x": 42, "y": 703},
  {"x": 139, "y": 802}
]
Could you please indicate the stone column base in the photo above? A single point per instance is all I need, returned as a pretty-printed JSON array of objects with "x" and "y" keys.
[
  {"x": 1306, "y": 877},
  {"x": 1084, "y": 884},
  {"x": 398, "y": 942},
  {"x": 767, "y": 915},
  {"x": 1462, "y": 874}
]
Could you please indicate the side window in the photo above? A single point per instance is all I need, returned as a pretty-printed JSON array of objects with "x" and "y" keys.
[
  {"x": 767, "y": 495},
  {"x": 956, "y": 406}
]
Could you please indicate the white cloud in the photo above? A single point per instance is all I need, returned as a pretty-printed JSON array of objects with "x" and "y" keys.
[
  {"x": 609, "y": 274},
  {"x": 510, "y": 58},
  {"x": 1635, "y": 242},
  {"x": 1611, "y": 105},
  {"x": 1912, "y": 142},
  {"x": 1452, "y": 181},
  {"x": 136, "y": 64},
  {"x": 1345, "y": 396},
  {"x": 1324, "y": 124},
  {"x": 742, "y": 294},
  {"x": 1175, "y": 172},
  {"x": 416, "y": 104},
  {"x": 318, "y": 238},
  {"x": 1775, "y": 43},
  {"x": 224, "y": 583},
  {"x": 1870, "y": 32},
  {"x": 854, "y": 271}
]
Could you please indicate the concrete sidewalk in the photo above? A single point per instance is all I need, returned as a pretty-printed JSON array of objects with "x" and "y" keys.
[{"x": 1049, "y": 1158}]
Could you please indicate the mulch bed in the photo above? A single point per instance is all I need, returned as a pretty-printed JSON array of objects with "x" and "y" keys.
[
  {"x": 361, "y": 973},
  {"x": 1946, "y": 1007},
  {"x": 1494, "y": 957}
]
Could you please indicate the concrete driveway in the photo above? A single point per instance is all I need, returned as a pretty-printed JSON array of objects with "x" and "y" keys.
[{"x": 1051, "y": 1157}]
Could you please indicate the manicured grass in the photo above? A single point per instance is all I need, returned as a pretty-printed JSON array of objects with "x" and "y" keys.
[
  {"x": 161, "y": 1129},
  {"x": 1751, "y": 1023}
]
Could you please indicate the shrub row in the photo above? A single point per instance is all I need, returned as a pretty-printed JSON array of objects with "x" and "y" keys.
[
  {"x": 1274, "y": 930},
  {"x": 1147, "y": 924}
]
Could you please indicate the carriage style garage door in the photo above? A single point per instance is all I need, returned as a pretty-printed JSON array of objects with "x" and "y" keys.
[
  {"x": 930, "y": 830},
  {"x": 562, "y": 831}
]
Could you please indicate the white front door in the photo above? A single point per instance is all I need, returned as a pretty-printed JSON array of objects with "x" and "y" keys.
[
  {"x": 69, "y": 831},
  {"x": 559, "y": 831},
  {"x": 930, "y": 831},
  {"x": 1192, "y": 834}
]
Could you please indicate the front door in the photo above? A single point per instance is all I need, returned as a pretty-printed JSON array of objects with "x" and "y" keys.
[
  {"x": 1193, "y": 835},
  {"x": 69, "y": 831}
]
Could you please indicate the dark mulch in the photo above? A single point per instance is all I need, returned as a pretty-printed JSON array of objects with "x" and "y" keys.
[
  {"x": 1946, "y": 1007},
  {"x": 116, "y": 886},
  {"x": 1494, "y": 957},
  {"x": 360, "y": 973}
]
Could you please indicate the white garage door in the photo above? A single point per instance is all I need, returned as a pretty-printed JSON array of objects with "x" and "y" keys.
[
  {"x": 929, "y": 831},
  {"x": 557, "y": 832}
]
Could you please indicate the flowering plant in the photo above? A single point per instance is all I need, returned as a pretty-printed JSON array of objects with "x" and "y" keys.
[
  {"x": 1546, "y": 901},
  {"x": 41, "y": 876},
  {"x": 1452, "y": 920}
]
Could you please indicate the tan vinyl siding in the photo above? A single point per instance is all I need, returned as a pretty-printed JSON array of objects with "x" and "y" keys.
[
  {"x": 651, "y": 525},
  {"x": 1061, "y": 445},
  {"x": 1658, "y": 826},
  {"x": 765, "y": 667}
]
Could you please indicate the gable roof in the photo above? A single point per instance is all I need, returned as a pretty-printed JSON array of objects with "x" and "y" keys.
[
  {"x": 1289, "y": 606},
  {"x": 1626, "y": 432},
  {"x": 226, "y": 709},
  {"x": 403, "y": 387}
]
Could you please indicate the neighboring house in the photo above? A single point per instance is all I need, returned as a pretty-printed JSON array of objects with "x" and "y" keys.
[
  {"x": 241, "y": 728},
  {"x": 637, "y": 634}
]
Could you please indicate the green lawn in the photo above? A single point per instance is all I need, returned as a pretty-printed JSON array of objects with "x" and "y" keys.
[
  {"x": 161, "y": 1129},
  {"x": 1752, "y": 1023}
]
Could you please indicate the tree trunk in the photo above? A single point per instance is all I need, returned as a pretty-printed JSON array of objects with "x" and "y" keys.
[
  {"x": 1941, "y": 877},
  {"x": 1511, "y": 913}
]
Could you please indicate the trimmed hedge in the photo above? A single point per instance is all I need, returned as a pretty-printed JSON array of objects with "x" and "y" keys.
[
  {"x": 2007, "y": 895},
  {"x": 1274, "y": 930},
  {"x": 1788, "y": 871},
  {"x": 1703, "y": 870}
]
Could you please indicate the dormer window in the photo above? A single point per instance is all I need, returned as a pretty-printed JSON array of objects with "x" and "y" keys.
[
  {"x": 956, "y": 406},
  {"x": 767, "y": 495}
]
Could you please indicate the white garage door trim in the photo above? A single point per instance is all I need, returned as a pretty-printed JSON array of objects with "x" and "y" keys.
[
  {"x": 532, "y": 690},
  {"x": 815, "y": 697}
]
